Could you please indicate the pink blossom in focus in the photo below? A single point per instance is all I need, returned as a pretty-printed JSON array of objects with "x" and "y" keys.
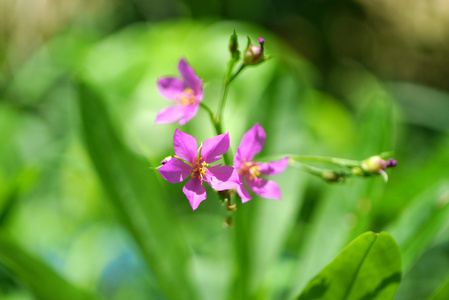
[{"x": 193, "y": 161}]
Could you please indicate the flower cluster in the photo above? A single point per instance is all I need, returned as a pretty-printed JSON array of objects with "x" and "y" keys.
[
  {"x": 199, "y": 164},
  {"x": 195, "y": 162}
]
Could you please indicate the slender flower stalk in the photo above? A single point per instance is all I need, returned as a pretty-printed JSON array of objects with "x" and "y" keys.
[
  {"x": 324, "y": 159},
  {"x": 374, "y": 165},
  {"x": 227, "y": 83}
]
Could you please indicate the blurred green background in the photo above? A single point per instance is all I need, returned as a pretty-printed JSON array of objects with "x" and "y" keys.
[{"x": 81, "y": 213}]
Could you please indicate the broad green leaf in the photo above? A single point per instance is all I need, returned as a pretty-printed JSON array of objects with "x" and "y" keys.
[
  {"x": 133, "y": 190},
  {"x": 442, "y": 293},
  {"x": 40, "y": 278},
  {"x": 368, "y": 268}
]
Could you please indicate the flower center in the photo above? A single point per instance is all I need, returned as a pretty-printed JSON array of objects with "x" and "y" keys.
[
  {"x": 249, "y": 169},
  {"x": 199, "y": 168},
  {"x": 187, "y": 97}
]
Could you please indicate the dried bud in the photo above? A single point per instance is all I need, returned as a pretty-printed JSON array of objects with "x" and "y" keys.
[{"x": 253, "y": 54}]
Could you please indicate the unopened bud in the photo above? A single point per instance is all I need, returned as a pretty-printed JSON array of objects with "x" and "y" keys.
[
  {"x": 357, "y": 171},
  {"x": 253, "y": 54},
  {"x": 234, "y": 45},
  {"x": 329, "y": 176},
  {"x": 374, "y": 164},
  {"x": 392, "y": 163},
  {"x": 333, "y": 176}
]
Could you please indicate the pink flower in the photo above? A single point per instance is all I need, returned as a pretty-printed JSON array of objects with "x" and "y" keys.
[
  {"x": 187, "y": 92},
  {"x": 250, "y": 171},
  {"x": 194, "y": 161}
]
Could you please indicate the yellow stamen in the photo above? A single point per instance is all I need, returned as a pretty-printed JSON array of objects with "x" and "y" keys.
[
  {"x": 199, "y": 167},
  {"x": 250, "y": 170},
  {"x": 187, "y": 97}
]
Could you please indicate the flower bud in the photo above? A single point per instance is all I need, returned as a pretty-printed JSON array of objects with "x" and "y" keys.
[
  {"x": 330, "y": 176},
  {"x": 333, "y": 176},
  {"x": 392, "y": 163},
  {"x": 234, "y": 46},
  {"x": 357, "y": 171},
  {"x": 253, "y": 54},
  {"x": 374, "y": 164}
]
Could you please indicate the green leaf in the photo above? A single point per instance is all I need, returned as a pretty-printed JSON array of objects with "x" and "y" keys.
[
  {"x": 10, "y": 194},
  {"x": 41, "y": 279},
  {"x": 368, "y": 268},
  {"x": 133, "y": 190},
  {"x": 429, "y": 212},
  {"x": 442, "y": 293}
]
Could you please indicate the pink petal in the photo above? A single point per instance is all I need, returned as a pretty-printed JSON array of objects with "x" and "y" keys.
[
  {"x": 222, "y": 178},
  {"x": 171, "y": 88},
  {"x": 195, "y": 192},
  {"x": 252, "y": 142},
  {"x": 175, "y": 170},
  {"x": 190, "y": 78},
  {"x": 273, "y": 167},
  {"x": 185, "y": 146},
  {"x": 237, "y": 159},
  {"x": 170, "y": 114},
  {"x": 189, "y": 112},
  {"x": 214, "y": 147},
  {"x": 243, "y": 193},
  {"x": 264, "y": 188}
]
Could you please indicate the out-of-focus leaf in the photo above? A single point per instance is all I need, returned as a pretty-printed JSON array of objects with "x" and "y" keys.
[
  {"x": 270, "y": 221},
  {"x": 416, "y": 232},
  {"x": 428, "y": 165},
  {"x": 42, "y": 280},
  {"x": 421, "y": 222},
  {"x": 442, "y": 293},
  {"x": 133, "y": 190},
  {"x": 341, "y": 212},
  {"x": 368, "y": 268},
  {"x": 430, "y": 113},
  {"x": 10, "y": 194},
  {"x": 428, "y": 272}
]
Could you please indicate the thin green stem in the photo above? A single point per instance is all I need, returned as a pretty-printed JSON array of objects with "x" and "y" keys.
[
  {"x": 326, "y": 174},
  {"x": 323, "y": 159},
  {"x": 227, "y": 83},
  {"x": 313, "y": 170},
  {"x": 213, "y": 119},
  {"x": 207, "y": 108},
  {"x": 243, "y": 266}
]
